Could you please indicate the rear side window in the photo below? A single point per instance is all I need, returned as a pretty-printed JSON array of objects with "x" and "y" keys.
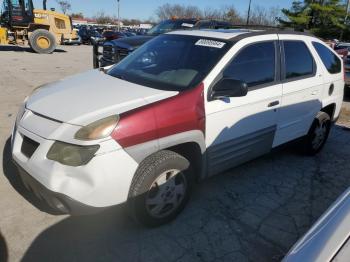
[
  {"x": 60, "y": 24},
  {"x": 298, "y": 60},
  {"x": 254, "y": 64},
  {"x": 329, "y": 59}
]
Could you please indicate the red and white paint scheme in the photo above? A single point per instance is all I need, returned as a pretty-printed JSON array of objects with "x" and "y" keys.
[{"x": 182, "y": 107}]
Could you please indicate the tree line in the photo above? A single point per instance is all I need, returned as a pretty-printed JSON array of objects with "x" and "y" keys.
[
  {"x": 324, "y": 18},
  {"x": 259, "y": 15}
]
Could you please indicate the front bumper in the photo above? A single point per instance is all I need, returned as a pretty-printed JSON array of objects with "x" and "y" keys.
[
  {"x": 58, "y": 202},
  {"x": 104, "y": 62},
  {"x": 103, "y": 182},
  {"x": 72, "y": 41}
]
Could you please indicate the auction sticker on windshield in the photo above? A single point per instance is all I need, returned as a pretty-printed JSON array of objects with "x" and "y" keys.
[{"x": 210, "y": 43}]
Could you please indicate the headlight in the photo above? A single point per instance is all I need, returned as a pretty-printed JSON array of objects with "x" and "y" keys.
[
  {"x": 97, "y": 130},
  {"x": 71, "y": 155},
  {"x": 21, "y": 111}
]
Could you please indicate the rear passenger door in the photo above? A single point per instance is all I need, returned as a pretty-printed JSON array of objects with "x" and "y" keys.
[
  {"x": 242, "y": 128},
  {"x": 302, "y": 85}
]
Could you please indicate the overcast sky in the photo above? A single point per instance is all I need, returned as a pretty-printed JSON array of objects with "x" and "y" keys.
[{"x": 144, "y": 9}]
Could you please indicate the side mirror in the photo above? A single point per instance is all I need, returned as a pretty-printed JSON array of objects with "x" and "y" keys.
[{"x": 228, "y": 87}]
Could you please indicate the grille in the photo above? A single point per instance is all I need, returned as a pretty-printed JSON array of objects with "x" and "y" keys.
[
  {"x": 29, "y": 146},
  {"x": 114, "y": 54}
]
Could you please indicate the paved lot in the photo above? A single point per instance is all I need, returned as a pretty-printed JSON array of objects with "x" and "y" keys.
[{"x": 251, "y": 213}]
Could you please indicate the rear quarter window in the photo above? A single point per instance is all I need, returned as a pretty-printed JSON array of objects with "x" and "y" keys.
[{"x": 331, "y": 61}]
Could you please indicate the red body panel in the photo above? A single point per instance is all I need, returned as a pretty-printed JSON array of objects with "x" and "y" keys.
[{"x": 181, "y": 113}]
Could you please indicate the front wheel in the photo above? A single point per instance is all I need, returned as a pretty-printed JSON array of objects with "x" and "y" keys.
[
  {"x": 317, "y": 136},
  {"x": 42, "y": 41},
  {"x": 161, "y": 188}
]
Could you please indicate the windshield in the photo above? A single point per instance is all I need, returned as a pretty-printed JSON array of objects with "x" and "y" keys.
[
  {"x": 170, "y": 25},
  {"x": 171, "y": 62},
  {"x": 4, "y": 12}
]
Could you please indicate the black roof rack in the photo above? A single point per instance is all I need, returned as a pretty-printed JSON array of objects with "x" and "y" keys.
[{"x": 263, "y": 29}]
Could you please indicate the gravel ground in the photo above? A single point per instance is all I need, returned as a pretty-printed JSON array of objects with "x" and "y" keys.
[{"x": 251, "y": 213}]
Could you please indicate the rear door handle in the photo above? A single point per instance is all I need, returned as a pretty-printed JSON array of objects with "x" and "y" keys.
[{"x": 274, "y": 103}]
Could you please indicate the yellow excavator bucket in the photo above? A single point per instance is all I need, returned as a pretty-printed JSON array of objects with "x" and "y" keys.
[{"x": 3, "y": 36}]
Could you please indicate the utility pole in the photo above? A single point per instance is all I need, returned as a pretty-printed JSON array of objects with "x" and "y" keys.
[
  {"x": 248, "y": 16},
  {"x": 118, "y": 15}
]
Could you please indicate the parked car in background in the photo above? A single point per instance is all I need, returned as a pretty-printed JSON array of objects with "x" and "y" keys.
[
  {"x": 212, "y": 24},
  {"x": 116, "y": 50},
  {"x": 75, "y": 41},
  {"x": 111, "y": 35},
  {"x": 183, "y": 107},
  {"x": 343, "y": 49},
  {"x": 89, "y": 36},
  {"x": 128, "y": 33},
  {"x": 3, "y": 249},
  {"x": 329, "y": 238}
]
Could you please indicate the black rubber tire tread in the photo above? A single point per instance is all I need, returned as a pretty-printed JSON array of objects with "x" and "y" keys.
[
  {"x": 147, "y": 171},
  {"x": 42, "y": 32},
  {"x": 307, "y": 140}
]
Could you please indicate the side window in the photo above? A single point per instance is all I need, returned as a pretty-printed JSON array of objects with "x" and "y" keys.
[
  {"x": 60, "y": 24},
  {"x": 298, "y": 59},
  {"x": 254, "y": 64},
  {"x": 329, "y": 59}
]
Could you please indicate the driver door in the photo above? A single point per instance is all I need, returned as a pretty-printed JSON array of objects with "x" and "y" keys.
[{"x": 242, "y": 128}]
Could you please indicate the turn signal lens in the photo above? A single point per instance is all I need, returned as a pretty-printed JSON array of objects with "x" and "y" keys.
[{"x": 98, "y": 130}]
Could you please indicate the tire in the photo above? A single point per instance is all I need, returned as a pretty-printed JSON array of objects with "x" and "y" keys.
[
  {"x": 160, "y": 189},
  {"x": 318, "y": 134},
  {"x": 42, "y": 41}
]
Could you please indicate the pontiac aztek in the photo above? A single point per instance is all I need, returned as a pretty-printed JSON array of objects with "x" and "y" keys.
[{"x": 185, "y": 106}]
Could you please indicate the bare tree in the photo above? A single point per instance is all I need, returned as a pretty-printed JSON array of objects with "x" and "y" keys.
[
  {"x": 210, "y": 13},
  {"x": 168, "y": 11},
  {"x": 102, "y": 18},
  {"x": 64, "y": 5},
  {"x": 231, "y": 14},
  {"x": 263, "y": 16},
  {"x": 79, "y": 15},
  {"x": 228, "y": 13},
  {"x": 193, "y": 12},
  {"x": 258, "y": 16}
]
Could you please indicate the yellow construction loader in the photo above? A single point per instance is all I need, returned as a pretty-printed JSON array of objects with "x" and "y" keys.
[{"x": 42, "y": 29}]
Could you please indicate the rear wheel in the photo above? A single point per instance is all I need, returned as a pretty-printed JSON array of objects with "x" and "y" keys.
[
  {"x": 161, "y": 188},
  {"x": 42, "y": 41},
  {"x": 317, "y": 136}
]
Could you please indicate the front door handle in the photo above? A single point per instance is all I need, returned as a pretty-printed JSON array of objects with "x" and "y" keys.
[{"x": 274, "y": 103}]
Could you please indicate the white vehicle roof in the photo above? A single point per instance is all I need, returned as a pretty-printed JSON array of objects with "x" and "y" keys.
[
  {"x": 228, "y": 34},
  {"x": 224, "y": 34}
]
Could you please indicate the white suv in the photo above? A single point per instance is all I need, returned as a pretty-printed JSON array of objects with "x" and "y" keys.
[{"x": 185, "y": 106}]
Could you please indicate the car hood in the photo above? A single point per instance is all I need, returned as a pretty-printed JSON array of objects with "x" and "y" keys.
[
  {"x": 90, "y": 96},
  {"x": 132, "y": 42}
]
